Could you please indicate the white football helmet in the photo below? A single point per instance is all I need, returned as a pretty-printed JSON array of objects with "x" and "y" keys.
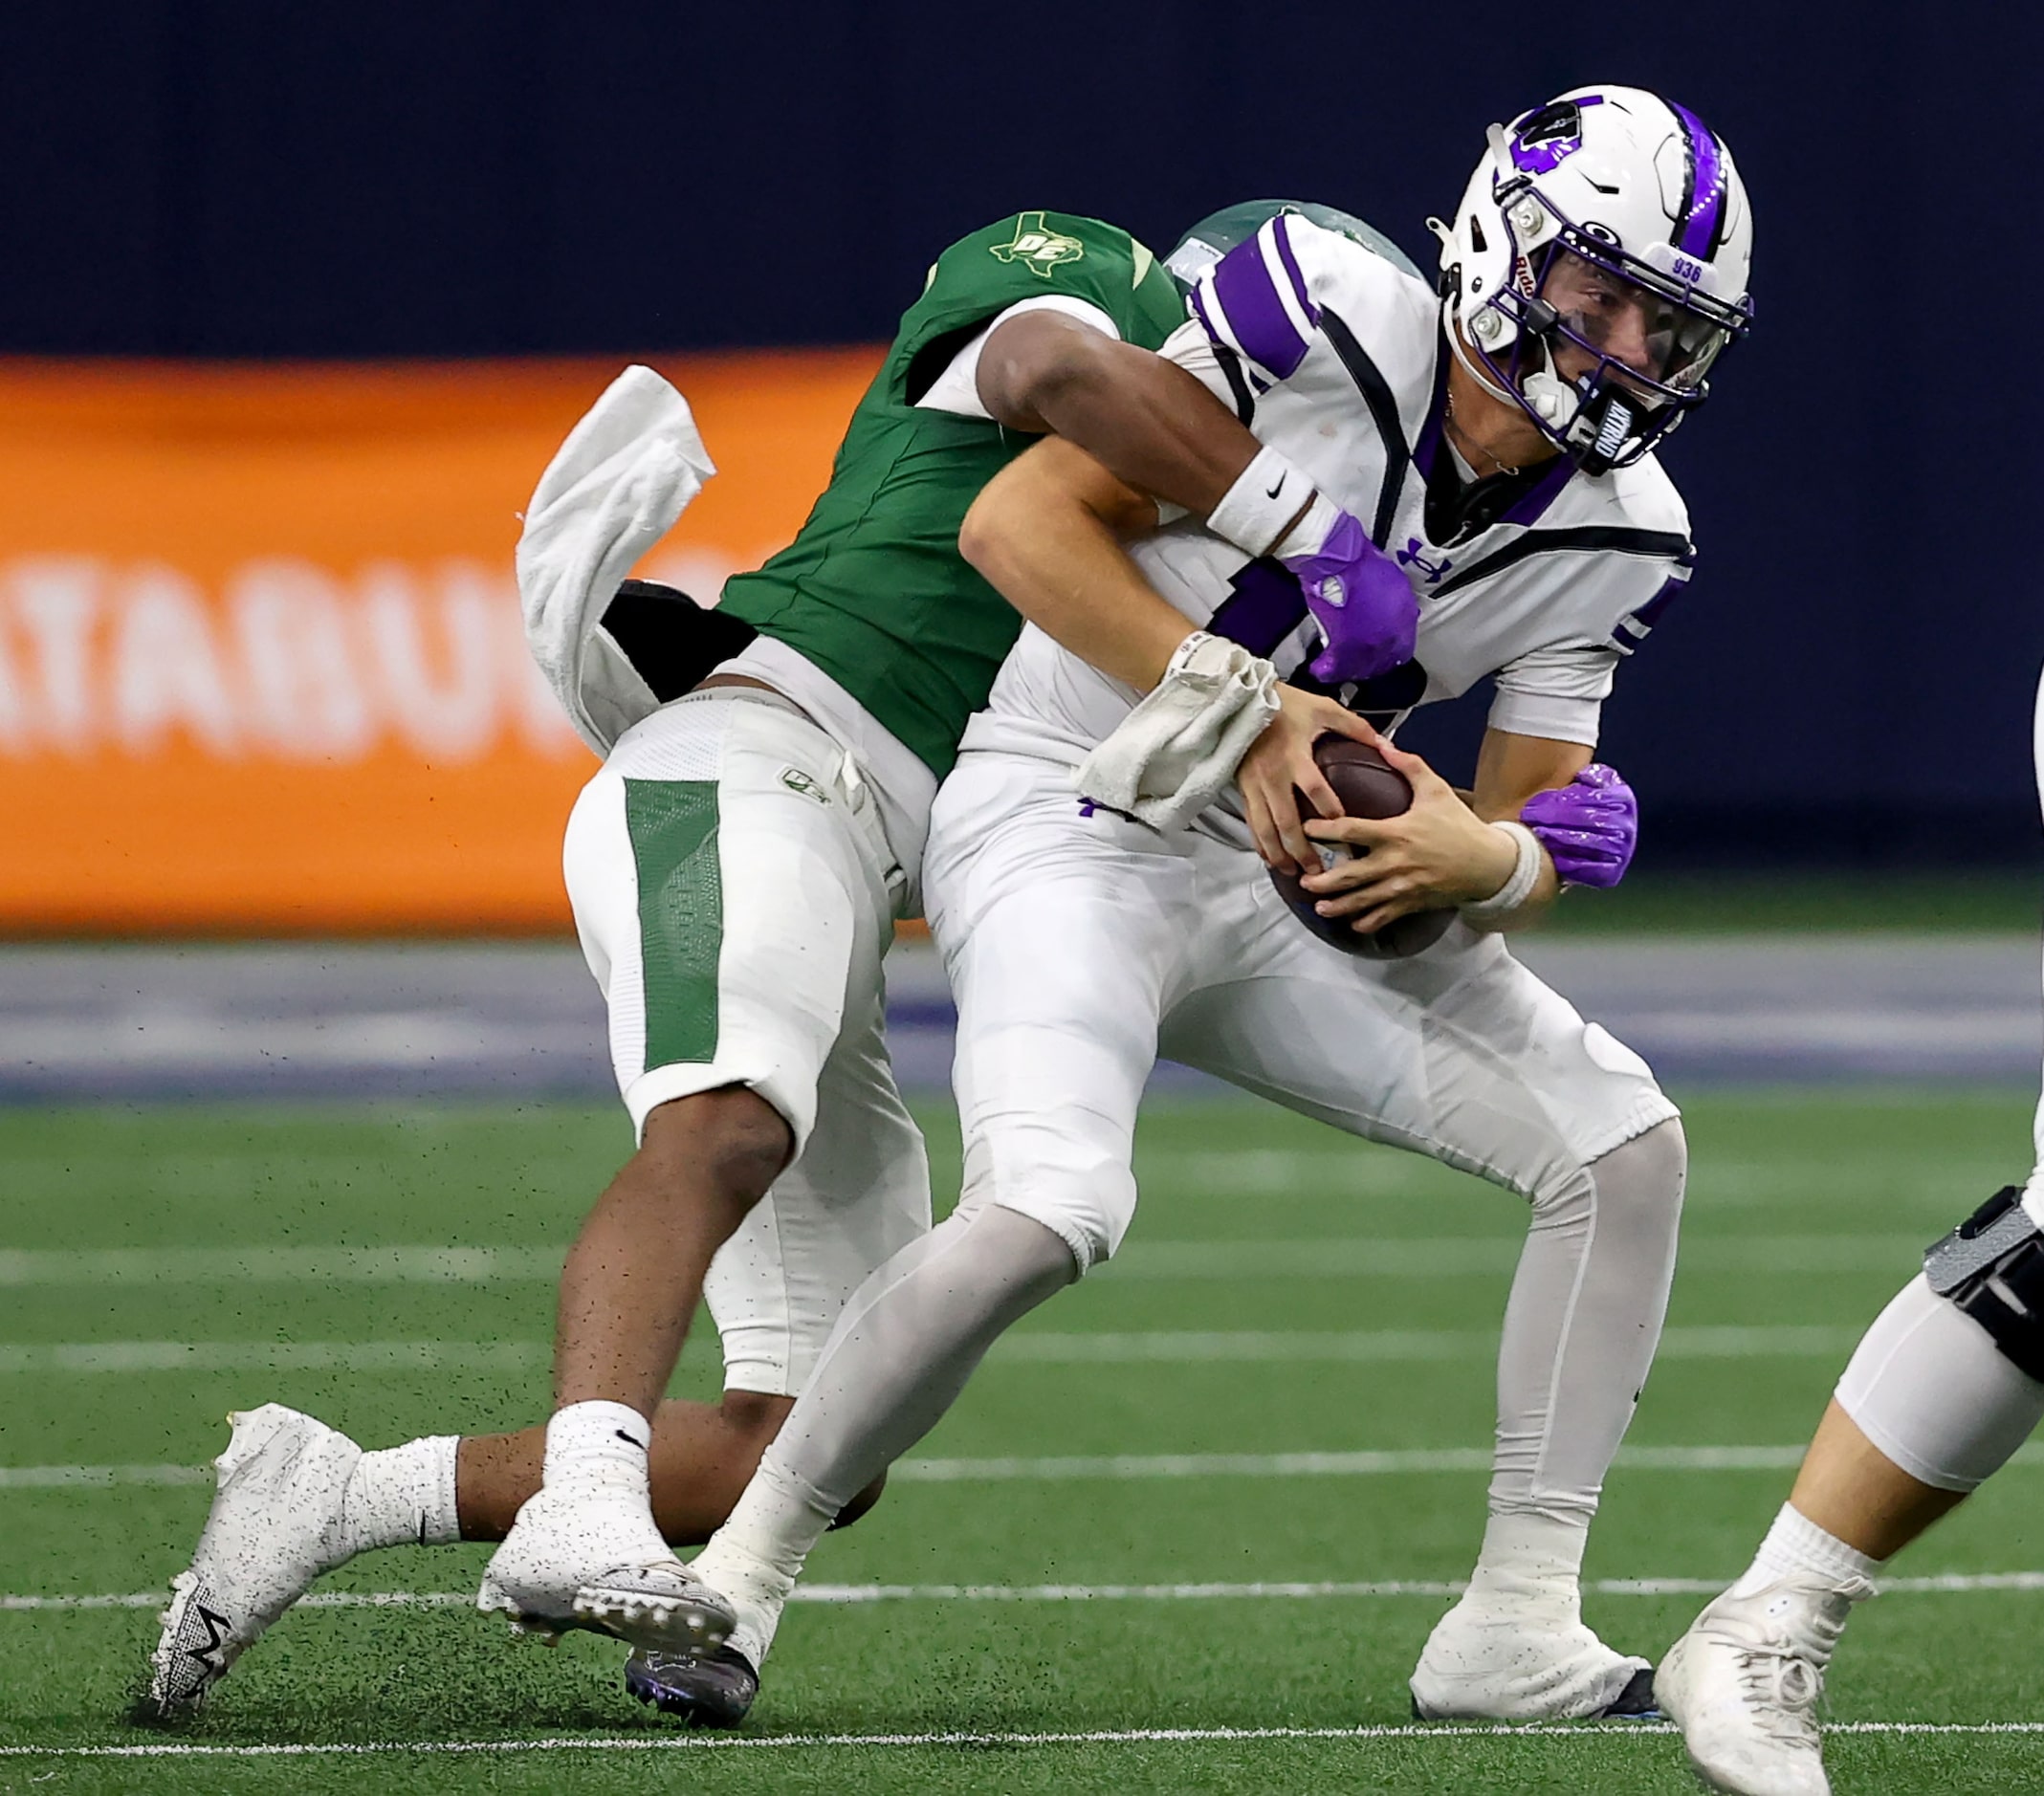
[{"x": 1607, "y": 202}]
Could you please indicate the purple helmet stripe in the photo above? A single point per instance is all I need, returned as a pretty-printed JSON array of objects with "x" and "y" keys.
[
  {"x": 1701, "y": 224},
  {"x": 1247, "y": 295}
]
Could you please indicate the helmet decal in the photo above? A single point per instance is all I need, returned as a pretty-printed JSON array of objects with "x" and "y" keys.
[{"x": 1545, "y": 136}]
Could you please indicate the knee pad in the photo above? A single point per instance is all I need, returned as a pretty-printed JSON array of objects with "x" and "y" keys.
[
  {"x": 1069, "y": 1172},
  {"x": 1991, "y": 1267}
]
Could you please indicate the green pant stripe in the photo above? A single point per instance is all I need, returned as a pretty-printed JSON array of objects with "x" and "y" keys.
[{"x": 672, "y": 824}]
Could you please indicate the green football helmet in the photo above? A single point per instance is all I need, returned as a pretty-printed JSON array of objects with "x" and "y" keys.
[{"x": 1219, "y": 232}]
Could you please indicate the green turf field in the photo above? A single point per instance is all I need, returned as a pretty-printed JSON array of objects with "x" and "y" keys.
[{"x": 1286, "y": 1293}]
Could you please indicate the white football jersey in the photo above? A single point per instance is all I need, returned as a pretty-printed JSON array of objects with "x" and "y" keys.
[{"x": 1541, "y": 581}]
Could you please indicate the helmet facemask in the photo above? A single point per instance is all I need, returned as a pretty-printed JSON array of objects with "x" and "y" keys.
[{"x": 1645, "y": 339}]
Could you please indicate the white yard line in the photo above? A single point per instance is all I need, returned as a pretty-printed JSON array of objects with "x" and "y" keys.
[
  {"x": 277, "y": 1265},
  {"x": 1453, "y": 1256},
  {"x": 1378, "y": 1462},
  {"x": 99, "y": 1476},
  {"x": 855, "y": 1595},
  {"x": 1339, "y": 1257},
  {"x": 1029, "y": 1345},
  {"x": 215, "y": 1356},
  {"x": 1100, "y": 1737},
  {"x": 1381, "y": 1346}
]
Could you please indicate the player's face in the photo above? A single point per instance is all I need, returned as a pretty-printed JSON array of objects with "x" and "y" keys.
[{"x": 1638, "y": 328}]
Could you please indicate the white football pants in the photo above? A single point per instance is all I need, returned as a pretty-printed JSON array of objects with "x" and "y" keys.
[
  {"x": 732, "y": 889},
  {"x": 1079, "y": 946}
]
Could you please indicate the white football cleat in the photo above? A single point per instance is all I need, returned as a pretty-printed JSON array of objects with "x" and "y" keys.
[
  {"x": 275, "y": 1525},
  {"x": 1525, "y": 1657},
  {"x": 593, "y": 1560},
  {"x": 1745, "y": 1682}
]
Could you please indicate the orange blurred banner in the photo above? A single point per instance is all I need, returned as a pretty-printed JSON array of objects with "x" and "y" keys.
[{"x": 261, "y": 665}]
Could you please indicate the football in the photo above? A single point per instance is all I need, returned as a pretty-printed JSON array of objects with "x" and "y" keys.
[{"x": 1367, "y": 785}]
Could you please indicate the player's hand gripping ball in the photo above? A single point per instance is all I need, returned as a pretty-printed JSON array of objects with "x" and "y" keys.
[{"x": 1367, "y": 785}]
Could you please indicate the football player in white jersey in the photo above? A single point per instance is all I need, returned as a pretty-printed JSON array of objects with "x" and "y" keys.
[
  {"x": 1495, "y": 442},
  {"x": 1945, "y": 1386}
]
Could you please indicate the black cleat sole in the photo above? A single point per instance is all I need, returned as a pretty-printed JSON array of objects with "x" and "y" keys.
[
  {"x": 715, "y": 1689},
  {"x": 1636, "y": 1702}
]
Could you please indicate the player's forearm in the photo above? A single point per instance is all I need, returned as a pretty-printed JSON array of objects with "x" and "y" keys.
[
  {"x": 1054, "y": 554},
  {"x": 1146, "y": 420}
]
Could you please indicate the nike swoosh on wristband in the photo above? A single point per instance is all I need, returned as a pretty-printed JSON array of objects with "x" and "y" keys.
[{"x": 1276, "y": 489}]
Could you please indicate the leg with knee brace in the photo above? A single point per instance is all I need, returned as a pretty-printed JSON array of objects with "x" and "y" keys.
[{"x": 1950, "y": 1380}]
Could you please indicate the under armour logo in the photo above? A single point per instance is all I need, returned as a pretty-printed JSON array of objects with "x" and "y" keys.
[{"x": 1409, "y": 556}]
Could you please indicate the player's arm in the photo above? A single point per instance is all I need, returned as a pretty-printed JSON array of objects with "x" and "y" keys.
[
  {"x": 1146, "y": 420},
  {"x": 1047, "y": 532},
  {"x": 1160, "y": 428}
]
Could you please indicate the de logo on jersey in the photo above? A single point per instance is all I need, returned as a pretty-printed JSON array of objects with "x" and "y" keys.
[{"x": 1037, "y": 247}]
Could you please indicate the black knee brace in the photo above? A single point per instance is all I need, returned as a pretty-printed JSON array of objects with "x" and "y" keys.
[{"x": 1992, "y": 1267}]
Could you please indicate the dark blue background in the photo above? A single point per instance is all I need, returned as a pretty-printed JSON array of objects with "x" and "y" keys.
[{"x": 1851, "y": 674}]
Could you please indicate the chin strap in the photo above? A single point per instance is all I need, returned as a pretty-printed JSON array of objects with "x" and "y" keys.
[{"x": 1472, "y": 368}]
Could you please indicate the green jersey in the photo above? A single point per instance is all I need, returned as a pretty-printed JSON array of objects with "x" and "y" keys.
[{"x": 874, "y": 591}]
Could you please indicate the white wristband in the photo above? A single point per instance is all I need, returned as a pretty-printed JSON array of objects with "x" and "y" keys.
[
  {"x": 1512, "y": 895},
  {"x": 1312, "y": 532},
  {"x": 1266, "y": 496}
]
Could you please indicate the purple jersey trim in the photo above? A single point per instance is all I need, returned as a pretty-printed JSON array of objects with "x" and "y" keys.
[
  {"x": 1266, "y": 605},
  {"x": 1702, "y": 220},
  {"x": 1531, "y": 505},
  {"x": 1282, "y": 232},
  {"x": 1635, "y": 628},
  {"x": 1428, "y": 447},
  {"x": 1242, "y": 284}
]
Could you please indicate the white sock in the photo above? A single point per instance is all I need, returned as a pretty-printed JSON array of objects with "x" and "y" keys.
[
  {"x": 1797, "y": 1550},
  {"x": 402, "y": 1497},
  {"x": 755, "y": 1558},
  {"x": 1531, "y": 1555},
  {"x": 599, "y": 1447}
]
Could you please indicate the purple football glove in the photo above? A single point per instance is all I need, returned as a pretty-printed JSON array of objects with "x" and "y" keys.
[
  {"x": 1589, "y": 828},
  {"x": 1362, "y": 602}
]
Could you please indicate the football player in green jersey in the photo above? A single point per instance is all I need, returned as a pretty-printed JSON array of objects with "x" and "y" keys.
[{"x": 737, "y": 869}]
